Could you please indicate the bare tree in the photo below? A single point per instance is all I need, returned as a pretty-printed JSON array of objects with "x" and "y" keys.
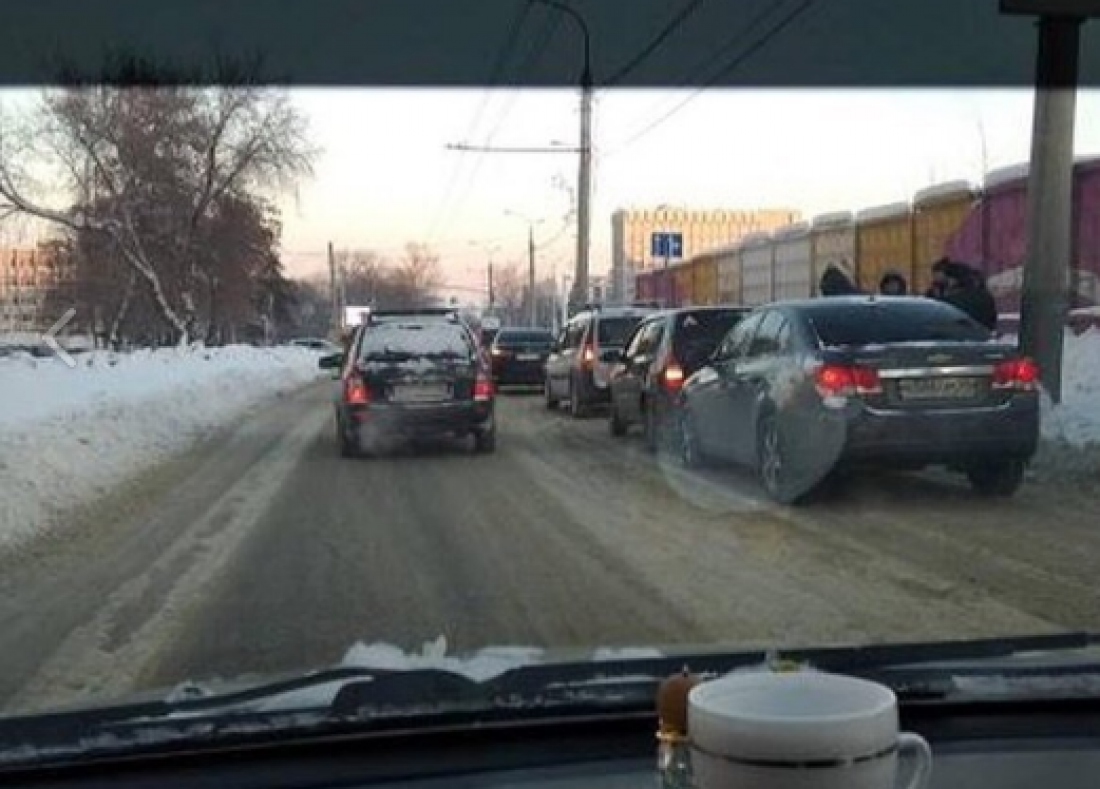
[
  {"x": 147, "y": 170},
  {"x": 419, "y": 272}
]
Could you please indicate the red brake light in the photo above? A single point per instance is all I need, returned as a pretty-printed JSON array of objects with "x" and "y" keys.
[
  {"x": 355, "y": 391},
  {"x": 483, "y": 388},
  {"x": 844, "y": 380},
  {"x": 1019, "y": 374},
  {"x": 673, "y": 376}
]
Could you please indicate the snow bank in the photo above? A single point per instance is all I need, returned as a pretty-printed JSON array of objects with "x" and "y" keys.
[
  {"x": 68, "y": 435},
  {"x": 1076, "y": 420}
]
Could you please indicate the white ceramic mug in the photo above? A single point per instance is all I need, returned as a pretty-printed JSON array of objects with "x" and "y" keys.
[{"x": 800, "y": 730}]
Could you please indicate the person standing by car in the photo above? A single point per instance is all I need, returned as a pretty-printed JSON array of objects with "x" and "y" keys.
[
  {"x": 940, "y": 279},
  {"x": 965, "y": 289},
  {"x": 835, "y": 282},
  {"x": 893, "y": 284}
]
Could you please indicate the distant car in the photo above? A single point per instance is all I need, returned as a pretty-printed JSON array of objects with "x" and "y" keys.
[
  {"x": 519, "y": 355},
  {"x": 409, "y": 377},
  {"x": 578, "y": 369},
  {"x": 662, "y": 352},
  {"x": 799, "y": 389}
]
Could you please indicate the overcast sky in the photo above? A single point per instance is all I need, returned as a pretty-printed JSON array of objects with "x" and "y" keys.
[{"x": 387, "y": 177}]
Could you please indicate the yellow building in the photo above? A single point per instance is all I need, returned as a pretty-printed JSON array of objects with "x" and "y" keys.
[
  {"x": 702, "y": 230},
  {"x": 27, "y": 276}
]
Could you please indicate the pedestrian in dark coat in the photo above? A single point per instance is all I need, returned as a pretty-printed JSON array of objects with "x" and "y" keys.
[
  {"x": 835, "y": 282},
  {"x": 893, "y": 284},
  {"x": 967, "y": 291}
]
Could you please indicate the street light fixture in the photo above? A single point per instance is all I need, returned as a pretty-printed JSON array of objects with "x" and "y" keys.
[{"x": 531, "y": 223}]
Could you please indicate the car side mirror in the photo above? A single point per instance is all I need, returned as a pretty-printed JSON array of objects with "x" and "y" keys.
[{"x": 332, "y": 361}]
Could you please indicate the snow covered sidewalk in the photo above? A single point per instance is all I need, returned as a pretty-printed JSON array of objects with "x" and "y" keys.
[{"x": 68, "y": 435}]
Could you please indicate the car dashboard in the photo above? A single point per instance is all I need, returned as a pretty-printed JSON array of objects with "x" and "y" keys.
[{"x": 1004, "y": 745}]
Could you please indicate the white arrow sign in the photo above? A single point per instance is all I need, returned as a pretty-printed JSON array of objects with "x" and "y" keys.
[{"x": 50, "y": 338}]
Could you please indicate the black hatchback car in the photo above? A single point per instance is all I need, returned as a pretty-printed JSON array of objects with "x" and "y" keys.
[
  {"x": 519, "y": 355},
  {"x": 413, "y": 376},
  {"x": 801, "y": 388},
  {"x": 663, "y": 351}
]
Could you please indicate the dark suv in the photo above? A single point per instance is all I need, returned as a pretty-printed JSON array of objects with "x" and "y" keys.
[
  {"x": 413, "y": 376},
  {"x": 578, "y": 369},
  {"x": 663, "y": 352}
]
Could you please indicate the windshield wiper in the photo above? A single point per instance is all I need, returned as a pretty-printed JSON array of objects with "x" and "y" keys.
[
  {"x": 388, "y": 355},
  {"x": 361, "y": 698}
]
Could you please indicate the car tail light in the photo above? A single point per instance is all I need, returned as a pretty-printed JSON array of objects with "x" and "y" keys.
[
  {"x": 355, "y": 391},
  {"x": 483, "y": 388},
  {"x": 845, "y": 380},
  {"x": 1018, "y": 374},
  {"x": 588, "y": 355},
  {"x": 673, "y": 376},
  {"x": 499, "y": 352}
]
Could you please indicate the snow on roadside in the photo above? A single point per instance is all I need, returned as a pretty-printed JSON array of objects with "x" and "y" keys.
[
  {"x": 68, "y": 435},
  {"x": 1076, "y": 420}
]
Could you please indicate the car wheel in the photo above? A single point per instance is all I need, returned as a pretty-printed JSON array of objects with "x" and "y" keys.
[
  {"x": 650, "y": 429},
  {"x": 548, "y": 392},
  {"x": 576, "y": 408},
  {"x": 349, "y": 447},
  {"x": 691, "y": 454},
  {"x": 771, "y": 462},
  {"x": 1000, "y": 478},
  {"x": 485, "y": 440},
  {"x": 618, "y": 426}
]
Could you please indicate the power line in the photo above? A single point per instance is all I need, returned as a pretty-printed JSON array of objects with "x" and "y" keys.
[
  {"x": 504, "y": 55},
  {"x": 726, "y": 69},
  {"x": 542, "y": 40},
  {"x": 673, "y": 24}
]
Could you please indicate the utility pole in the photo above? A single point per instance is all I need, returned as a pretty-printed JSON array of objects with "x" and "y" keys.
[
  {"x": 492, "y": 293},
  {"x": 1045, "y": 298},
  {"x": 584, "y": 180},
  {"x": 335, "y": 317},
  {"x": 533, "y": 305}
]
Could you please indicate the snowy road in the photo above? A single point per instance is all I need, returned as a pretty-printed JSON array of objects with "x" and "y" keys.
[{"x": 263, "y": 551}]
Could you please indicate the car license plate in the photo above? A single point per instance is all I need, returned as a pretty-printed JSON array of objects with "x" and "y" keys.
[
  {"x": 938, "y": 388},
  {"x": 421, "y": 393},
  {"x": 528, "y": 357}
]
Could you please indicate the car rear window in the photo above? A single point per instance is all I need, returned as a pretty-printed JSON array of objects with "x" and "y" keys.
[
  {"x": 407, "y": 338},
  {"x": 698, "y": 333},
  {"x": 525, "y": 338},
  {"x": 897, "y": 322},
  {"x": 614, "y": 331}
]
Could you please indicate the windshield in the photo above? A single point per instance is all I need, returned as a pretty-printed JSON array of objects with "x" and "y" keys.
[
  {"x": 516, "y": 339},
  {"x": 896, "y": 323},
  {"x": 297, "y": 377},
  {"x": 614, "y": 331}
]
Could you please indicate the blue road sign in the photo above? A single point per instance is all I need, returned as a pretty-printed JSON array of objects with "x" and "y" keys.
[{"x": 667, "y": 245}]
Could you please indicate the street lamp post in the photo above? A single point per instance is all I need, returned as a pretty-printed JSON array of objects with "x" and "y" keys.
[
  {"x": 532, "y": 306},
  {"x": 584, "y": 172}
]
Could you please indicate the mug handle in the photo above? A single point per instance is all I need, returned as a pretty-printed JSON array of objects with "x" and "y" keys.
[{"x": 919, "y": 748}]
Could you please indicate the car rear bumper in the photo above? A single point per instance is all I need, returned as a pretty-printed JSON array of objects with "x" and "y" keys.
[
  {"x": 944, "y": 437},
  {"x": 514, "y": 372},
  {"x": 419, "y": 419}
]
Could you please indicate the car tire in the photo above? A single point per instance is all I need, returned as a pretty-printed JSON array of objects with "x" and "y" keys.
[
  {"x": 771, "y": 462},
  {"x": 349, "y": 448},
  {"x": 548, "y": 393},
  {"x": 650, "y": 430},
  {"x": 691, "y": 453},
  {"x": 577, "y": 409},
  {"x": 617, "y": 425},
  {"x": 485, "y": 441},
  {"x": 999, "y": 479}
]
